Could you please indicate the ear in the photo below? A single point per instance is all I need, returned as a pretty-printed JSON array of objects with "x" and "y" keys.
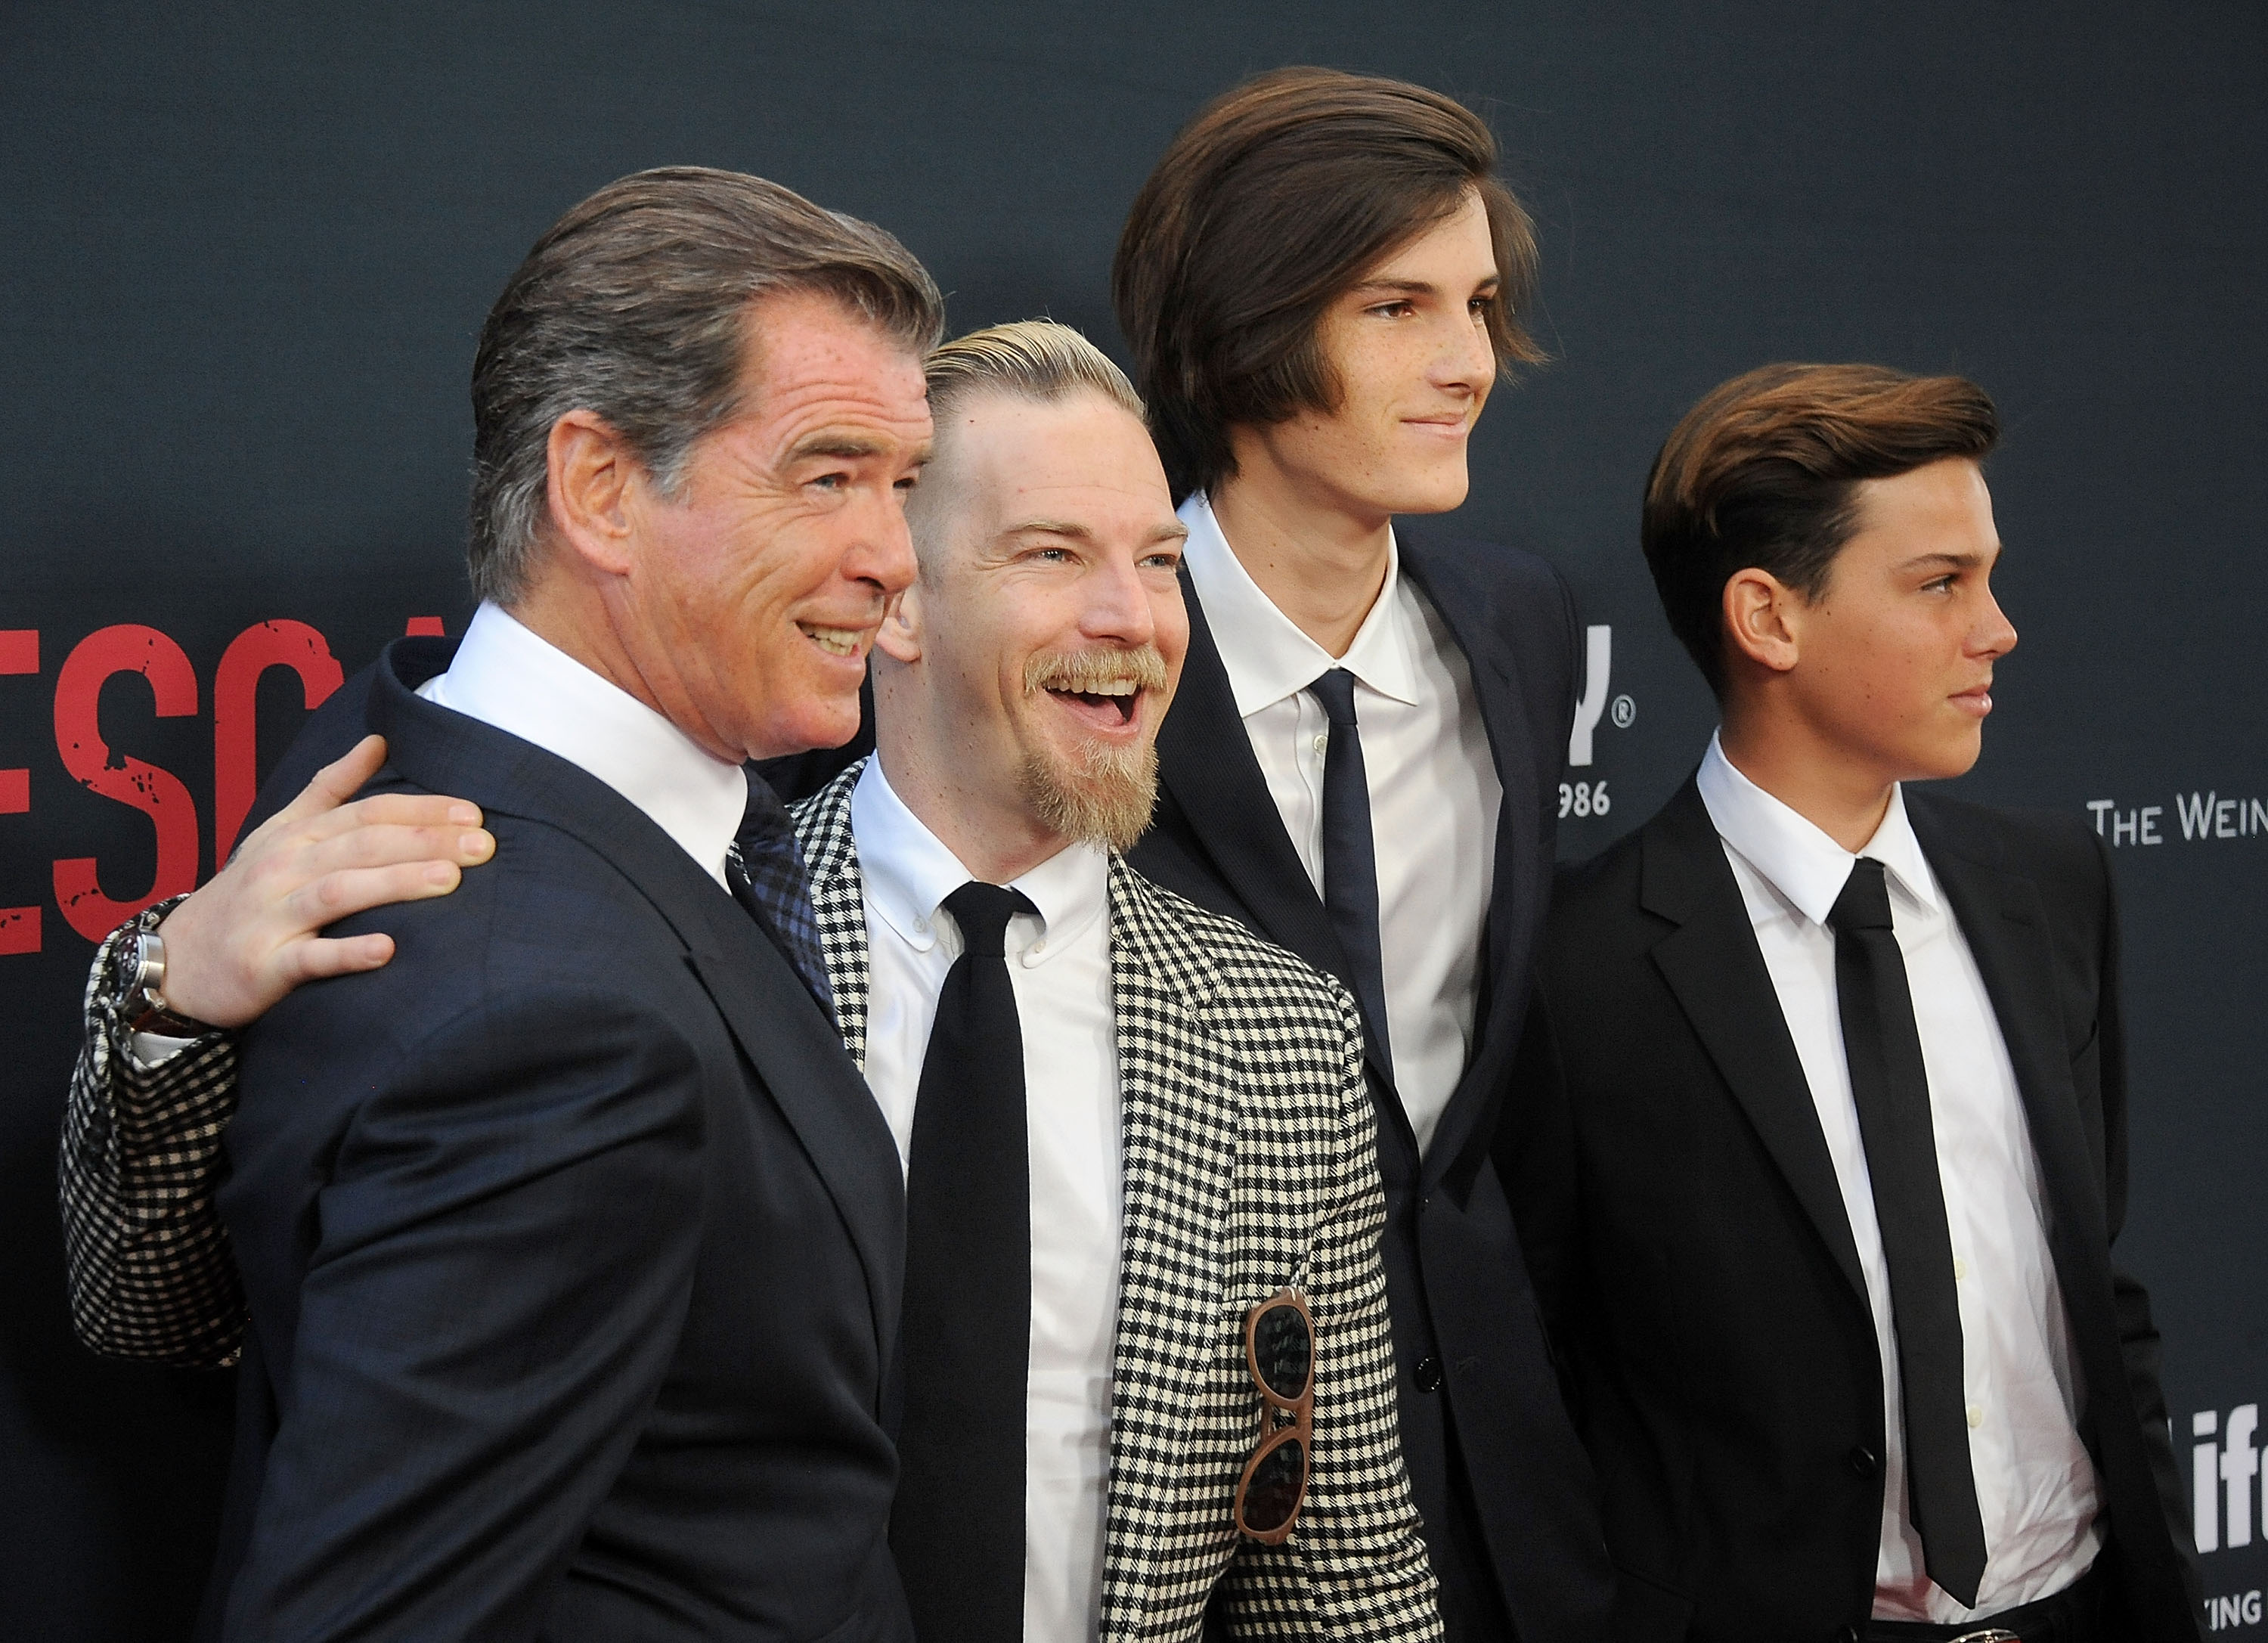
[
  {"x": 1760, "y": 620},
  {"x": 899, "y": 637},
  {"x": 592, "y": 474}
]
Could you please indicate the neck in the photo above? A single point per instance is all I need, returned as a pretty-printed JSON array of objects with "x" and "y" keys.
[
  {"x": 985, "y": 825},
  {"x": 1819, "y": 781},
  {"x": 571, "y": 613},
  {"x": 1320, "y": 565}
]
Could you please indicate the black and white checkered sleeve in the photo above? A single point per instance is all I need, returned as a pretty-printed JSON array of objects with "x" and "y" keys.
[
  {"x": 148, "y": 1260},
  {"x": 1360, "y": 1540}
]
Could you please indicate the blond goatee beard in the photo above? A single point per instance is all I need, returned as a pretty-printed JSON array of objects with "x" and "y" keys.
[{"x": 1108, "y": 797}]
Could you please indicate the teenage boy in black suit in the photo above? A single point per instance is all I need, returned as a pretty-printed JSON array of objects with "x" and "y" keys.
[
  {"x": 1818, "y": 1143},
  {"x": 1320, "y": 282}
]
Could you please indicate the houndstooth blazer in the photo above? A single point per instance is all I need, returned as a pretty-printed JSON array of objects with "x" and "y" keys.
[{"x": 1250, "y": 1165}]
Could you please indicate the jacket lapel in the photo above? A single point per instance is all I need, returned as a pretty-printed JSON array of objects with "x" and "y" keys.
[
  {"x": 830, "y": 860},
  {"x": 2005, "y": 925},
  {"x": 1714, "y": 966},
  {"x": 1517, "y": 883},
  {"x": 770, "y": 1013},
  {"x": 1204, "y": 760},
  {"x": 1179, "y": 1123}
]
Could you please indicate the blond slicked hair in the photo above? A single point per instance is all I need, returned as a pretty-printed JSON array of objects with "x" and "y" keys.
[{"x": 1033, "y": 359}]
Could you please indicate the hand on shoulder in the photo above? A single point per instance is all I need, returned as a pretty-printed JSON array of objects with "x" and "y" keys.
[{"x": 247, "y": 938}]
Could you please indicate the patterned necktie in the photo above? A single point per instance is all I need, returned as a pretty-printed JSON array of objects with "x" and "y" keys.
[
  {"x": 1890, "y": 1086},
  {"x": 957, "y": 1524},
  {"x": 764, "y": 868},
  {"x": 1351, "y": 855}
]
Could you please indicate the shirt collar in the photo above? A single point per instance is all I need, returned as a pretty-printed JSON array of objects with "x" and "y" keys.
[
  {"x": 1794, "y": 857},
  {"x": 1270, "y": 658},
  {"x": 909, "y": 872},
  {"x": 505, "y": 675}
]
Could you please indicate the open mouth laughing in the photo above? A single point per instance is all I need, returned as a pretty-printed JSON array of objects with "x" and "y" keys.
[{"x": 1103, "y": 689}]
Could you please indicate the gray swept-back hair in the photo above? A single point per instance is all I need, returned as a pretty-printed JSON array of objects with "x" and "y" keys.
[{"x": 634, "y": 307}]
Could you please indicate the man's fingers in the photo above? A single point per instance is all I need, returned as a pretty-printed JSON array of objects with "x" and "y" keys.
[
  {"x": 384, "y": 846},
  {"x": 316, "y": 957},
  {"x": 350, "y": 890},
  {"x": 337, "y": 782}
]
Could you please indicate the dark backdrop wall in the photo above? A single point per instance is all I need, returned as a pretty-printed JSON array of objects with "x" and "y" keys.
[{"x": 247, "y": 251}]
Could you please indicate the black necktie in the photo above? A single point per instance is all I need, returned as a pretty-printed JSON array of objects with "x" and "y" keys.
[
  {"x": 1889, "y": 1085},
  {"x": 957, "y": 1526},
  {"x": 1351, "y": 855},
  {"x": 764, "y": 868}
]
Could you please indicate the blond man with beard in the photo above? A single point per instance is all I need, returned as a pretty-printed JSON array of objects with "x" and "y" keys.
[{"x": 1146, "y": 1349}]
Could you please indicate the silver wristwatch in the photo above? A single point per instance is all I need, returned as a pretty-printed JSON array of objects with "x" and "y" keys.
[{"x": 140, "y": 998}]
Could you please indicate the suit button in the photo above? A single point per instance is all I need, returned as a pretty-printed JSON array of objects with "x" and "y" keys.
[
  {"x": 1428, "y": 1374},
  {"x": 1863, "y": 1462}
]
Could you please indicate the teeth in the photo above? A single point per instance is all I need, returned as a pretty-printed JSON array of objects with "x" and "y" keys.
[
  {"x": 1116, "y": 687},
  {"x": 835, "y": 641}
]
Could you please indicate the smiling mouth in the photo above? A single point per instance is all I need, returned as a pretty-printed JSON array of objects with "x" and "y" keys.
[
  {"x": 846, "y": 642},
  {"x": 1119, "y": 699}
]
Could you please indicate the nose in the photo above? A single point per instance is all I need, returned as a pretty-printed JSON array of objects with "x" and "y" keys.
[
  {"x": 1995, "y": 636},
  {"x": 880, "y": 551},
  {"x": 1117, "y": 605},
  {"x": 1466, "y": 361}
]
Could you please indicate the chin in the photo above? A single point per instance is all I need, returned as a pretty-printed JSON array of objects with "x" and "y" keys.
[{"x": 1433, "y": 493}]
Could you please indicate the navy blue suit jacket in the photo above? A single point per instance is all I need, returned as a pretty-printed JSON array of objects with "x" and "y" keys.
[
  {"x": 1508, "y": 1495},
  {"x": 573, "y": 1245}
]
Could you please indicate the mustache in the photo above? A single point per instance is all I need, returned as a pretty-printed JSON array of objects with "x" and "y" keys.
[{"x": 1083, "y": 671}]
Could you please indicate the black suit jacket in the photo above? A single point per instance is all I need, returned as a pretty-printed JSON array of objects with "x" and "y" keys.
[
  {"x": 1498, "y": 1473},
  {"x": 1687, "y": 1238},
  {"x": 573, "y": 1244}
]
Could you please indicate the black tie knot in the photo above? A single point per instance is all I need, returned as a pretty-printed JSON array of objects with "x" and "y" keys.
[
  {"x": 1336, "y": 692},
  {"x": 1864, "y": 903},
  {"x": 982, "y": 912}
]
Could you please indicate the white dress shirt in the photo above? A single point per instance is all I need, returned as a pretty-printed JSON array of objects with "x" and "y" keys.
[
  {"x": 2036, "y": 1486},
  {"x": 1434, "y": 789},
  {"x": 1059, "y": 970},
  {"x": 503, "y": 675}
]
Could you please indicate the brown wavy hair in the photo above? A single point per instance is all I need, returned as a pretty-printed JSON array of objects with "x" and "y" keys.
[
  {"x": 1764, "y": 473},
  {"x": 1276, "y": 198}
]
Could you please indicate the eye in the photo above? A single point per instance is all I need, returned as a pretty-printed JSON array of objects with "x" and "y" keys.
[
  {"x": 1165, "y": 560},
  {"x": 1401, "y": 308},
  {"x": 832, "y": 481}
]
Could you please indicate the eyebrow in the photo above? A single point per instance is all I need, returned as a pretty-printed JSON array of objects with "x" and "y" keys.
[
  {"x": 846, "y": 446},
  {"x": 1173, "y": 533},
  {"x": 1955, "y": 561},
  {"x": 1415, "y": 287}
]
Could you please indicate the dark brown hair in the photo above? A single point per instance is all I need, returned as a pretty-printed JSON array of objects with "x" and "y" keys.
[
  {"x": 634, "y": 305},
  {"x": 1278, "y": 197},
  {"x": 1764, "y": 472}
]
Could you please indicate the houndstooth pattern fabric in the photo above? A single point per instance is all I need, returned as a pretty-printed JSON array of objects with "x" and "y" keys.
[
  {"x": 1250, "y": 1166},
  {"x": 146, "y": 1255}
]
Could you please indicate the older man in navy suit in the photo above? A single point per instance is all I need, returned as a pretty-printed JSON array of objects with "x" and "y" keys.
[{"x": 571, "y": 1240}]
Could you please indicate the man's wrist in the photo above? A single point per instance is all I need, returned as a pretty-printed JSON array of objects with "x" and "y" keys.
[{"x": 139, "y": 978}]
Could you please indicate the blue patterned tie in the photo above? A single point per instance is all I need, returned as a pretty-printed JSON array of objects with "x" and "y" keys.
[{"x": 764, "y": 866}]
